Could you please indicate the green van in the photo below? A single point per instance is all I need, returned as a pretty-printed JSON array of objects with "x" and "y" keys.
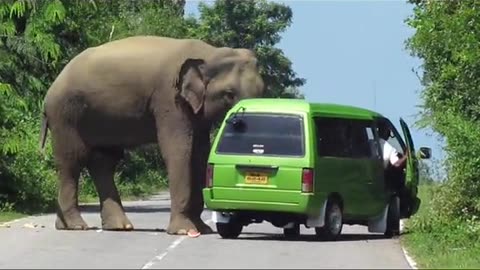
[{"x": 290, "y": 162}]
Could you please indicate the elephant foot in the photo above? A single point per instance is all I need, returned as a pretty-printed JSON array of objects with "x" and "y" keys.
[
  {"x": 186, "y": 226},
  {"x": 116, "y": 223},
  {"x": 181, "y": 225},
  {"x": 76, "y": 223}
]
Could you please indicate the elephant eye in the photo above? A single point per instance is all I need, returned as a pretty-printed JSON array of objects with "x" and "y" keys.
[{"x": 229, "y": 94}]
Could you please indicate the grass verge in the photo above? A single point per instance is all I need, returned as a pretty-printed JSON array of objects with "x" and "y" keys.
[
  {"x": 441, "y": 245},
  {"x": 9, "y": 216}
]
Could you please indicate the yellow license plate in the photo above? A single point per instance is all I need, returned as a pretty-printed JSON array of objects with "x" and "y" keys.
[{"x": 256, "y": 178}]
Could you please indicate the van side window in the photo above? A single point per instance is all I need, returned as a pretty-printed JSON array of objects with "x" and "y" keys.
[
  {"x": 347, "y": 138},
  {"x": 373, "y": 143},
  {"x": 362, "y": 139},
  {"x": 332, "y": 138}
]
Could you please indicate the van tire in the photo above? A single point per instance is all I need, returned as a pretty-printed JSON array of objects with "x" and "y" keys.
[
  {"x": 292, "y": 232},
  {"x": 333, "y": 214},
  {"x": 393, "y": 219},
  {"x": 229, "y": 230}
]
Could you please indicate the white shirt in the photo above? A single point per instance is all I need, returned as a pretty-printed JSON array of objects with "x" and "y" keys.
[{"x": 390, "y": 154}]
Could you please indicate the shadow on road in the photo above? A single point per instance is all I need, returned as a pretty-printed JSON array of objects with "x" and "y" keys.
[
  {"x": 128, "y": 209},
  {"x": 156, "y": 230},
  {"x": 143, "y": 230},
  {"x": 309, "y": 238}
]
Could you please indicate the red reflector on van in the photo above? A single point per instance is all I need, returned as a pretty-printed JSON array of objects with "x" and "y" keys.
[
  {"x": 209, "y": 176},
  {"x": 307, "y": 180}
]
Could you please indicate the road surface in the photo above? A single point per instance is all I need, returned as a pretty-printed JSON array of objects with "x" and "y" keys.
[{"x": 149, "y": 247}]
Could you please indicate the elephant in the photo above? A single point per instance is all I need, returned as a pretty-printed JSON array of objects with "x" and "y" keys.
[{"x": 142, "y": 90}]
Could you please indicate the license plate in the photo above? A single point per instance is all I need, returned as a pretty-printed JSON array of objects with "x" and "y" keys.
[{"x": 256, "y": 178}]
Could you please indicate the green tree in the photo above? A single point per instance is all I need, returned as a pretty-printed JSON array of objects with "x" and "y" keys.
[
  {"x": 447, "y": 39},
  {"x": 39, "y": 37},
  {"x": 26, "y": 52},
  {"x": 255, "y": 25}
]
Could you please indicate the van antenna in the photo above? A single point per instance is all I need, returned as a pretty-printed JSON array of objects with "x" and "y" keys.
[{"x": 241, "y": 108}]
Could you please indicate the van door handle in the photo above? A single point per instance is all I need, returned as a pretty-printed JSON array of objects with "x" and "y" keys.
[
  {"x": 268, "y": 168},
  {"x": 240, "y": 166}
]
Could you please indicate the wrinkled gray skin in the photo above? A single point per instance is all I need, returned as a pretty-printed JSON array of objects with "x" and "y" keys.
[{"x": 137, "y": 91}]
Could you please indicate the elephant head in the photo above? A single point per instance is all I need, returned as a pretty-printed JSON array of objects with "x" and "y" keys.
[{"x": 212, "y": 85}]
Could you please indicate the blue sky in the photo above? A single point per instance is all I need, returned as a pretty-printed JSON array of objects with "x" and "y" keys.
[{"x": 353, "y": 52}]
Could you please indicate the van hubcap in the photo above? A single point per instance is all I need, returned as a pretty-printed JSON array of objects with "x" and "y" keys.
[{"x": 335, "y": 219}]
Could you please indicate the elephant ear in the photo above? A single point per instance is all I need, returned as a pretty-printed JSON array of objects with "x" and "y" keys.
[{"x": 191, "y": 83}]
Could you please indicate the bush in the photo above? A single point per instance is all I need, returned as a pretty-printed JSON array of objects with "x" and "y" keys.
[
  {"x": 28, "y": 181},
  {"x": 452, "y": 231},
  {"x": 139, "y": 174},
  {"x": 459, "y": 197},
  {"x": 445, "y": 40}
]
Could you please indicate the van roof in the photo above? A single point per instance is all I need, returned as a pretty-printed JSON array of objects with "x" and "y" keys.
[{"x": 287, "y": 104}]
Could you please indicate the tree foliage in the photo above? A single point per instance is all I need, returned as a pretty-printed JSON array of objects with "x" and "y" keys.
[
  {"x": 255, "y": 25},
  {"x": 447, "y": 39},
  {"x": 39, "y": 37}
]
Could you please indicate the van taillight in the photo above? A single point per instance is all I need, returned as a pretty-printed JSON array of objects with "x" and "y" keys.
[
  {"x": 209, "y": 179},
  {"x": 307, "y": 180}
]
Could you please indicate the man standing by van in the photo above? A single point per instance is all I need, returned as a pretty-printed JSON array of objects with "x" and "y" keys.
[{"x": 393, "y": 164}]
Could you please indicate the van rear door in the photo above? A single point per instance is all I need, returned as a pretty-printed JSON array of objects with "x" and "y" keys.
[{"x": 260, "y": 152}]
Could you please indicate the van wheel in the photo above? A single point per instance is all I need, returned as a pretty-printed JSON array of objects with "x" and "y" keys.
[
  {"x": 229, "y": 230},
  {"x": 333, "y": 222},
  {"x": 393, "y": 218},
  {"x": 292, "y": 232}
]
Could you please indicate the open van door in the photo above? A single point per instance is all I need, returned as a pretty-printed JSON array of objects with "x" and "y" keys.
[{"x": 411, "y": 202}]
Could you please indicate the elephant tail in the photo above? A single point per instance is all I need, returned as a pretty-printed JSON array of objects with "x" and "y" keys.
[{"x": 43, "y": 132}]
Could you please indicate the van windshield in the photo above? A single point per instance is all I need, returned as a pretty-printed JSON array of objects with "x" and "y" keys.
[{"x": 263, "y": 134}]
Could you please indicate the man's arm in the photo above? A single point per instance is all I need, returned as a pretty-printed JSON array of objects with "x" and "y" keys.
[
  {"x": 400, "y": 163},
  {"x": 393, "y": 156}
]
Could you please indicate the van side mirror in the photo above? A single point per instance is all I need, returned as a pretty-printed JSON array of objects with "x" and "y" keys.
[{"x": 425, "y": 152}]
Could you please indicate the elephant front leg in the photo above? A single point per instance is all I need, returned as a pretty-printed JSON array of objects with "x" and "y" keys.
[
  {"x": 176, "y": 148},
  {"x": 182, "y": 219}
]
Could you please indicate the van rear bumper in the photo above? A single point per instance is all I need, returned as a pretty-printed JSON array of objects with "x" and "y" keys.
[{"x": 235, "y": 199}]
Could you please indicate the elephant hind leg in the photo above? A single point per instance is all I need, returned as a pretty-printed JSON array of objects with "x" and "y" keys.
[
  {"x": 101, "y": 166},
  {"x": 69, "y": 152},
  {"x": 68, "y": 214}
]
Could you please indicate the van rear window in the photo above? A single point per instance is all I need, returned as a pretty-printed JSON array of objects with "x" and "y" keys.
[{"x": 264, "y": 134}]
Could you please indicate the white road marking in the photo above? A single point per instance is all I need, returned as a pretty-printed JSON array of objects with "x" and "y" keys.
[
  {"x": 162, "y": 255},
  {"x": 172, "y": 246},
  {"x": 410, "y": 260}
]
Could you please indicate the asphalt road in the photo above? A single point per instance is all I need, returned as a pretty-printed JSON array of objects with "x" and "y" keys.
[{"x": 260, "y": 246}]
